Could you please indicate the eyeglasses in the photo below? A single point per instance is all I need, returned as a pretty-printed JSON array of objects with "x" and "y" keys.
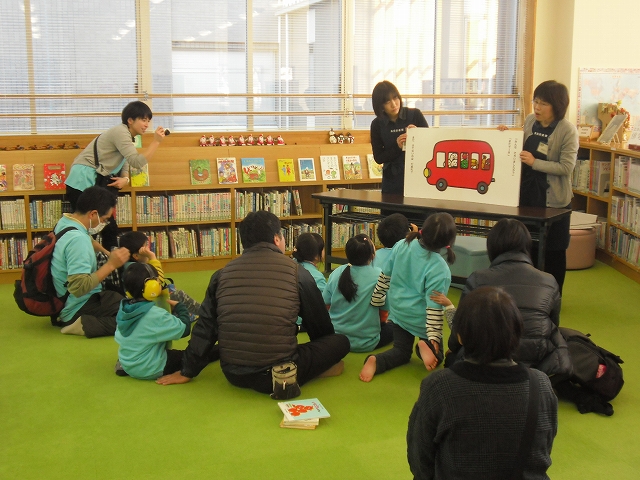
[{"x": 539, "y": 103}]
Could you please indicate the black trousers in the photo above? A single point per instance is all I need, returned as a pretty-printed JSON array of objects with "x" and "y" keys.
[
  {"x": 401, "y": 351},
  {"x": 98, "y": 314}
]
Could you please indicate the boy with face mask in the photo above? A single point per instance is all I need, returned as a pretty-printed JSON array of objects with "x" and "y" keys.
[{"x": 89, "y": 310}]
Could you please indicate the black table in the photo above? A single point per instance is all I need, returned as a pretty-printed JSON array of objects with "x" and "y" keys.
[{"x": 537, "y": 219}]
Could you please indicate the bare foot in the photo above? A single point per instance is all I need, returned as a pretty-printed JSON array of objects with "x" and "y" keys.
[
  {"x": 334, "y": 371},
  {"x": 429, "y": 359},
  {"x": 369, "y": 369}
]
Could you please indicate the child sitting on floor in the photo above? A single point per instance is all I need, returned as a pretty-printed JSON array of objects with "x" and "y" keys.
[
  {"x": 391, "y": 230},
  {"x": 144, "y": 331},
  {"x": 308, "y": 252},
  {"x": 348, "y": 296}
]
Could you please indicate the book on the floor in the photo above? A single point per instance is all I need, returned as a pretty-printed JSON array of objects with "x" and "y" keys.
[
  {"x": 330, "y": 167},
  {"x": 200, "y": 170},
  {"x": 3, "y": 178},
  {"x": 23, "y": 176},
  {"x": 352, "y": 167},
  {"x": 139, "y": 176},
  {"x": 307, "y": 409},
  {"x": 300, "y": 424},
  {"x": 286, "y": 170},
  {"x": 253, "y": 170},
  {"x": 375, "y": 169},
  {"x": 227, "y": 170},
  {"x": 54, "y": 176},
  {"x": 307, "y": 169}
]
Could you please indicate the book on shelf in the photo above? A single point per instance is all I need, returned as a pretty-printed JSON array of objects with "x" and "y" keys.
[
  {"x": 253, "y": 170},
  {"x": 139, "y": 177},
  {"x": 54, "y": 176},
  {"x": 375, "y": 169},
  {"x": 297, "y": 202},
  {"x": 23, "y": 176},
  {"x": 227, "y": 170},
  {"x": 307, "y": 169},
  {"x": 330, "y": 167},
  {"x": 286, "y": 170},
  {"x": 306, "y": 412},
  {"x": 200, "y": 171},
  {"x": 352, "y": 167},
  {"x": 3, "y": 178},
  {"x": 600, "y": 179}
]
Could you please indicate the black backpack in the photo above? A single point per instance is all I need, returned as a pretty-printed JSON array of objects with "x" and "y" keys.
[
  {"x": 34, "y": 293},
  {"x": 594, "y": 368}
]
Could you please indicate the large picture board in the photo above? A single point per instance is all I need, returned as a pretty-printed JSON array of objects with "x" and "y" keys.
[{"x": 464, "y": 164}]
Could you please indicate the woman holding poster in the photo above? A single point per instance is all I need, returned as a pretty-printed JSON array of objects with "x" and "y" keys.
[
  {"x": 389, "y": 134},
  {"x": 548, "y": 158}
]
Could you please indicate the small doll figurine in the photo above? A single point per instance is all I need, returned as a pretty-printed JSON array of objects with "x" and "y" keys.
[
  {"x": 269, "y": 140},
  {"x": 223, "y": 141},
  {"x": 280, "y": 140},
  {"x": 341, "y": 138},
  {"x": 241, "y": 140},
  {"x": 332, "y": 136},
  {"x": 232, "y": 141},
  {"x": 212, "y": 141},
  {"x": 350, "y": 138},
  {"x": 250, "y": 139},
  {"x": 203, "y": 141},
  {"x": 260, "y": 139}
]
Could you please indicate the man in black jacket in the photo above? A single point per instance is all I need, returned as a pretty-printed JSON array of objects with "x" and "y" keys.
[{"x": 250, "y": 309}]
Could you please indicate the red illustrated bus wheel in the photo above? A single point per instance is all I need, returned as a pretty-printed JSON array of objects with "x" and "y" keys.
[
  {"x": 441, "y": 184},
  {"x": 482, "y": 188}
]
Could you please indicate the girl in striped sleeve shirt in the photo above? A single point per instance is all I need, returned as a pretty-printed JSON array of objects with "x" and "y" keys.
[{"x": 413, "y": 271}]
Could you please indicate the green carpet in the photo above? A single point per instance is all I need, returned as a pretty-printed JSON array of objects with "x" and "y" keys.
[{"x": 66, "y": 415}]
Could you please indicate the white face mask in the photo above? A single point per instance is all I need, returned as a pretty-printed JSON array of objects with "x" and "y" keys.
[{"x": 97, "y": 229}]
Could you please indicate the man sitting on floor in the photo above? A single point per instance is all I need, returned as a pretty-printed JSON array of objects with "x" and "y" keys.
[
  {"x": 89, "y": 310},
  {"x": 250, "y": 309}
]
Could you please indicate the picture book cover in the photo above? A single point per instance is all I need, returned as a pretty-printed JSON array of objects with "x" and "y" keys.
[
  {"x": 253, "y": 170},
  {"x": 23, "y": 176},
  {"x": 330, "y": 167},
  {"x": 352, "y": 167},
  {"x": 200, "y": 171},
  {"x": 375, "y": 169},
  {"x": 286, "y": 170},
  {"x": 3, "y": 178},
  {"x": 227, "y": 172},
  {"x": 54, "y": 176},
  {"x": 303, "y": 409},
  {"x": 464, "y": 164},
  {"x": 139, "y": 176},
  {"x": 307, "y": 169}
]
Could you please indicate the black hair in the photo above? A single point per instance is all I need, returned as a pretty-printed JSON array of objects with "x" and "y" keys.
[
  {"x": 508, "y": 235},
  {"x": 260, "y": 226},
  {"x": 308, "y": 247},
  {"x": 135, "y": 110},
  {"x": 438, "y": 231},
  {"x": 489, "y": 324},
  {"x": 96, "y": 198},
  {"x": 392, "y": 229},
  {"x": 135, "y": 276},
  {"x": 382, "y": 93},
  {"x": 133, "y": 241},
  {"x": 555, "y": 94},
  {"x": 359, "y": 250}
]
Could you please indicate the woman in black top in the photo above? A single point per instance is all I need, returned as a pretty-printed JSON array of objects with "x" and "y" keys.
[{"x": 389, "y": 133}]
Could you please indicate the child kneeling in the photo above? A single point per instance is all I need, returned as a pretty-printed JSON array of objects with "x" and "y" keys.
[{"x": 144, "y": 330}]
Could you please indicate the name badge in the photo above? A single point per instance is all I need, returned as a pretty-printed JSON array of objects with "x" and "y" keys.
[{"x": 543, "y": 148}]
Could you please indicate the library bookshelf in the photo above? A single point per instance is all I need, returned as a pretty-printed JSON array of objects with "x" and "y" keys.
[
  {"x": 215, "y": 208},
  {"x": 607, "y": 189}
]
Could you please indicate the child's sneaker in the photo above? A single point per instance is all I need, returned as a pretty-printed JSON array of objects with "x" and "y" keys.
[{"x": 120, "y": 371}]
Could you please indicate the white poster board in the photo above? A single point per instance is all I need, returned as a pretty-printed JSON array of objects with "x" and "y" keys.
[{"x": 464, "y": 164}]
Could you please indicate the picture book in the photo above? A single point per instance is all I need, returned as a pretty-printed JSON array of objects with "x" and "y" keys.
[
  {"x": 375, "y": 169},
  {"x": 3, "y": 178},
  {"x": 54, "y": 176},
  {"x": 307, "y": 409},
  {"x": 227, "y": 170},
  {"x": 307, "y": 169},
  {"x": 139, "y": 176},
  {"x": 200, "y": 171},
  {"x": 300, "y": 424},
  {"x": 286, "y": 170},
  {"x": 352, "y": 167},
  {"x": 330, "y": 167},
  {"x": 23, "y": 177},
  {"x": 253, "y": 170}
]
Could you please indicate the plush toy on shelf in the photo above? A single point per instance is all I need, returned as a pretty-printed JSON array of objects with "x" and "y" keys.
[
  {"x": 250, "y": 140},
  {"x": 231, "y": 141},
  {"x": 280, "y": 140},
  {"x": 203, "y": 141},
  {"x": 241, "y": 141},
  {"x": 332, "y": 136},
  {"x": 223, "y": 141},
  {"x": 269, "y": 140},
  {"x": 260, "y": 139},
  {"x": 212, "y": 141}
]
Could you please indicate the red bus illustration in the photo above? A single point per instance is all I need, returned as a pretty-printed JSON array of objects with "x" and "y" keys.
[{"x": 461, "y": 164}]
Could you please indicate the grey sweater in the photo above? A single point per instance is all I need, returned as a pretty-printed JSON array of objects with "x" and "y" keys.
[{"x": 561, "y": 159}]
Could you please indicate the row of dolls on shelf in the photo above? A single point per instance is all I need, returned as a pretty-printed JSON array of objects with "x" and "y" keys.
[{"x": 231, "y": 140}]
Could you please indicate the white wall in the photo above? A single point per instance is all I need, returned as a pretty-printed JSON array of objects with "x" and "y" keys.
[{"x": 574, "y": 34}]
